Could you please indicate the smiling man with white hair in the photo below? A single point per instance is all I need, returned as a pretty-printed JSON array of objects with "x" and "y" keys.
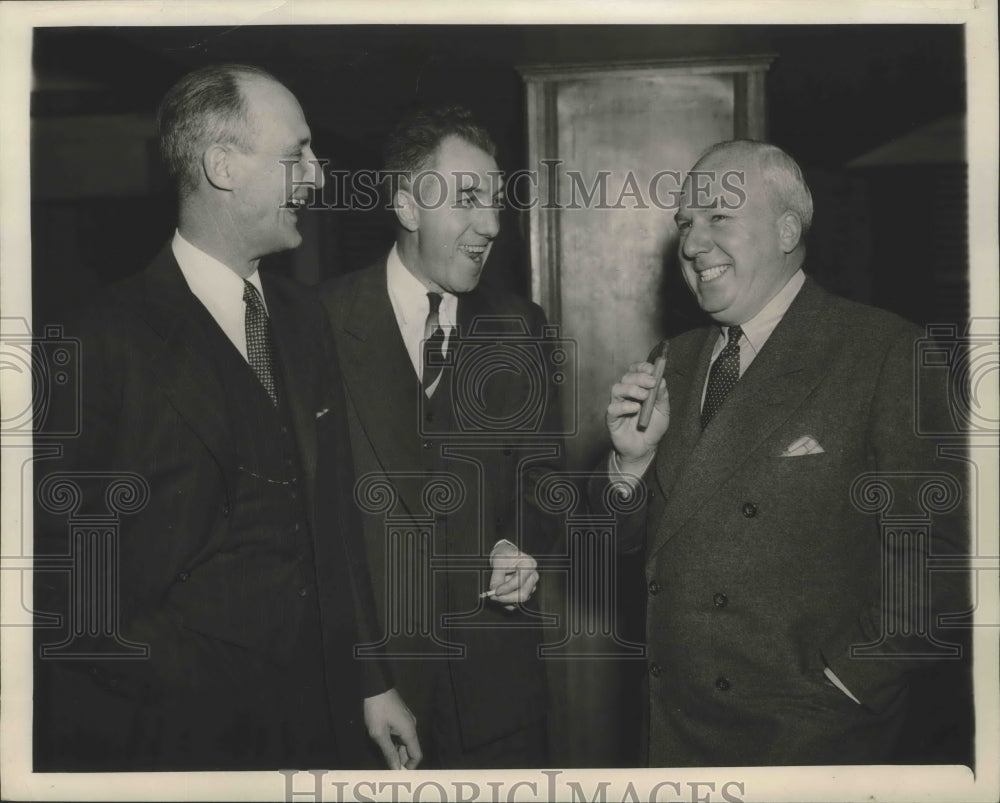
[{"x": 784, "y": 622}]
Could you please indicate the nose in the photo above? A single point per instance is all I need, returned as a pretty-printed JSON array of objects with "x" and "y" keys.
[
  {"x": 487, "y": 222},
  {"x": 318, "y": 178},
  {"x": 695, "y": 240}
]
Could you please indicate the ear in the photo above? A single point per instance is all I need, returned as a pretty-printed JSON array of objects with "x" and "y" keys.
[
  {"x": 789, "y": 231},
  {"x": 218, "y": 167},
  {"x": 406, "y": 210}
]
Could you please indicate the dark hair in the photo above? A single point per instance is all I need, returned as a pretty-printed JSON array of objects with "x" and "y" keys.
[
  {"x": 413, "y": 143},
  {"x": 204, "y": 107}
]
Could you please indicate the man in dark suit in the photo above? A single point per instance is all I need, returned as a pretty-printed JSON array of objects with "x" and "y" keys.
[
  {"x": 441, "y": 395},
  {"x": 213, "y": 426},
  {"x": 779, "y": 619}
]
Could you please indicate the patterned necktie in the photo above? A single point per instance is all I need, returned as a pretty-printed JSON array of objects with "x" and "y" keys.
[
  {"x": 260, "y": 349},
  {"x": 723, "y": 376},
  {"x": 433, "y": 345}
]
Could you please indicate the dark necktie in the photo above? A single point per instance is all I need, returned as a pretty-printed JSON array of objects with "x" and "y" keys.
[
  {"x": 260, "y": 349},
  {"x": 723, "y": 376},
  {"x": 433, "y": 343}
]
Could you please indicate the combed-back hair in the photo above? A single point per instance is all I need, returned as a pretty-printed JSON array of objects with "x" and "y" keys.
[
  {"x": 781, "y": 174},
  {"x": 413, "y": 143},
  {"x": 206, "y": 106}
]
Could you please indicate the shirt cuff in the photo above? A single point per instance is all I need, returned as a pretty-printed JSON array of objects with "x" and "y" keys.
[
  {"x": 625, "y": 483},
  {"x": 504, "y": 541}
]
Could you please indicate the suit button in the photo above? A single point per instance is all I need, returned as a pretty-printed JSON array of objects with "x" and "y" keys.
[
  {"x": 426, "y": 444},
  {"x": 749, "y": 509},
  {"x": 183, "y": 576},
  {"x": 507, "y": 452},
  {"x": 654, "y": 587},
  {"x": 226, "y": 509},
  {"x": 303, "y": 592},
  {"x": 720, "y": 600},
  {"x": 429, "y": 417},
  {"x": 722, "y": 684},
  {"x": 655, "y": 669}
]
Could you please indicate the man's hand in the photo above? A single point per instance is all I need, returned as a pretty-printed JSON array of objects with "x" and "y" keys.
[
  {"x": 386, "y": 715},
  {"x": 634, "y": 448},
  {"x": 514, "y": 575}
]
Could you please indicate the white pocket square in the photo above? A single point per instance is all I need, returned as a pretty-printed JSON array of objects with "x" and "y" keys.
[
  {"x": 807, "y": 444},
  {"x": 323, "y": 412}
]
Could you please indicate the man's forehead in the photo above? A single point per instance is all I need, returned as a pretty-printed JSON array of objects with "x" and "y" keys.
[
  {"x": 271, "y": 101},
  {"x": 456, "y": 155}
]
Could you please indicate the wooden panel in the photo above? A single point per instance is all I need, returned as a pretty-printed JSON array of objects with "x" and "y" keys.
[{"x": 620, "y": 133}]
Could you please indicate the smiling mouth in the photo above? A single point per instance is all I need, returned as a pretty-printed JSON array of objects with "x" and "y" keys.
[
  {"x": 474, "y": 252},
  {"x": 294, "y": 204},
  {"x": 711, "y": 274}
]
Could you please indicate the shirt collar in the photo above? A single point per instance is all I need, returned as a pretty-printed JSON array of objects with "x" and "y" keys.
[
  {"x": 758, "y": 329},
  {"x": 409, "y": 296},
  {"x": 212, "y": 281}
]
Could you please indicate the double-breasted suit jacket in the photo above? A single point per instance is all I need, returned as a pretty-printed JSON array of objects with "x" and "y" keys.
[
  {"x": 482, "y": 441},
  {"x": 764, "y": 568},
  {"x": 248, "y": 622}
]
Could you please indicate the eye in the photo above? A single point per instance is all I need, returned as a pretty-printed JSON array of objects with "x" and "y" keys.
[
  {"x": 683, "y": 225},
  {"x": 467, "y": 201},
  {"x": 719, "y": 218}
]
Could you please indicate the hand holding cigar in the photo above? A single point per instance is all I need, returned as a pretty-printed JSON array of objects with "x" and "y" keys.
[{"x": 647, "y": 406}]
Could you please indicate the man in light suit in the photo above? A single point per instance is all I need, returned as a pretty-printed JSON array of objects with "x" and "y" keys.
[
  {"x": 776, "y": 631},
  {"x": 438, "y": 393},
  {"x": 210, "y": 392}
]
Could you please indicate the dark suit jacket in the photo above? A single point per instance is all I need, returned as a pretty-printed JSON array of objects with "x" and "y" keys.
[
  {"x": 499, "y": 681},
  {"x": 762, "y": 569},
  {"x": 153, "y": 405}
]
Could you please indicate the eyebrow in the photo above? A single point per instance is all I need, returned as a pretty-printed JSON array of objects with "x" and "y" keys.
[{"x": 298, "y": 145}]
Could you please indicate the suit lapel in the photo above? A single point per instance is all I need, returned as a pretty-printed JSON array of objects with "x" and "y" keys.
[
  {"x": 783, "y": 374},
  {"x": 181, "y": 365},
  {"x": 380, "y": 380},
  {"x": 295, "y": 349}
]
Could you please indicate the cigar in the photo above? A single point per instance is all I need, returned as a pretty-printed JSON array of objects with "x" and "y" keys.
[
  {"x": 491, "y": 593},
  {"x": 647, "y": 406}
]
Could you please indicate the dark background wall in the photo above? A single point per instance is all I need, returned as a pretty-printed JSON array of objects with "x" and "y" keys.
[
  {"x": 891, "y": 232},
  {"x": 875, "y": 114}
]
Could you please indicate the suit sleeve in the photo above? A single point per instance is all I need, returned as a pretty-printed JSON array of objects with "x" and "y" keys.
[
  {"x": 925, "y": 486},
  {"x": 542, "y": 527},
  {"x": 630, "y": 504},
  {"x": 374, "y": 674}
]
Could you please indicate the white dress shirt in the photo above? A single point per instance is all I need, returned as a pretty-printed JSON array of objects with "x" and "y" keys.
[
  {"x": 758, "y": 329},
  {"x": 218, "y": 287},
  {"x": 411, "y": 306}
]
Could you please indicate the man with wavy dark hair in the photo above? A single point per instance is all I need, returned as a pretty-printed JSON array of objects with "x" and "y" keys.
[{"x": 452, "y": 576}]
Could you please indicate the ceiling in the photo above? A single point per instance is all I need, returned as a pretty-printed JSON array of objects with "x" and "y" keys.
[{"x": 834, "y": 92}]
